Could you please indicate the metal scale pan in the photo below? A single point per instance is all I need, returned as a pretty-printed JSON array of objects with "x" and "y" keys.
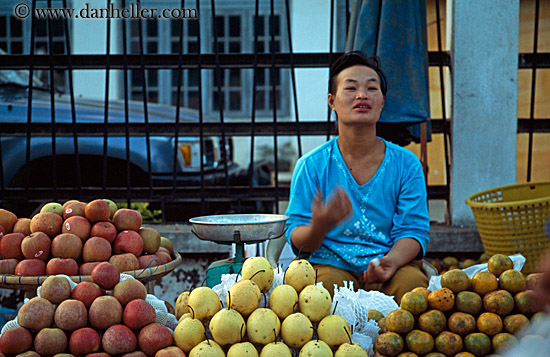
[{"x": 239, "y": 229}]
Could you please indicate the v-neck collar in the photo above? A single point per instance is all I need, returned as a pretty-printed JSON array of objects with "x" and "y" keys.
[{"x": 348, "y": 172}]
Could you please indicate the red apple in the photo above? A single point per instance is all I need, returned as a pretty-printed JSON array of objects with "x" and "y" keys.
[
  {"x": 10, "y": 246},
  {"x": 66, "y": 266},
  {"x": 67, "y": 245},
  {"x": 97, "y": 210},
  {"x": 127, "y": 219},
  {"x": 36, "y": 246},
  {"x": 77, "y": 225},
  {"x": 96, "y": 249},
  {"x": 128, "y": 242},
  {"x": 74, "y": 209},
  {"x": 106, "y": 230},
  {"x": 30, "y": 267}
]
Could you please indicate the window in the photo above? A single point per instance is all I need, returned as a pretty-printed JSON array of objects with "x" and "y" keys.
[
  {"x": 15, "y": 37},
  {"x": 235, "y": 34}
]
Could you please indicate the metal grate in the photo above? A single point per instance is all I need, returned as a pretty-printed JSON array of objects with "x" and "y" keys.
[{"x": 238, "y": 193}]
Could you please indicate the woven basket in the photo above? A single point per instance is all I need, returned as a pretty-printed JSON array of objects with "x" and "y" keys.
[
  {"x": 511, "y": 219},
  {"x": 16, "y": 282}
]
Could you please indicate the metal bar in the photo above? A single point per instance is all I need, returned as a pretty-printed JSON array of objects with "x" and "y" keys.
[
  {"x": 231, "y": 128},
  {"x": 251, "y": 166},
  {"x": 178, "y": 104},
  {"x": 126, "y": 108},
  {"x": 184, "y": 193},
  {"x": 201, "y": 117},
  {"x": 73, "y": 108},
  {"x": 293, "y": 77},
  {"x": 52, "y": 105},
  {"x": 29, "y": 102},
  {"x": 274, "y": 100},
  {"x": 533, "y": 91},
  {"x": 226, "y": 60},
  {"x": 106, "y": 108},
  {"x": 145, "y": 101}
]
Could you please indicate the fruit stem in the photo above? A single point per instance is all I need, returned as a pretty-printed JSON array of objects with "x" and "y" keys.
[
  {"x": 229, "y": 298},
  {"x": 345, "y": 329},
  {"x": 259, "y": 271},
  {"x": 335, "y": 305},
  {"x": 192, "y": 310}
]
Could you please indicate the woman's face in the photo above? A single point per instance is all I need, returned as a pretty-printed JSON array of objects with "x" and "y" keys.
[{"x": 358, "y": 98}]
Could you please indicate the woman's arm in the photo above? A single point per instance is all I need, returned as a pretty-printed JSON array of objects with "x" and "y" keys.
[{"x": 308, "y": 238}]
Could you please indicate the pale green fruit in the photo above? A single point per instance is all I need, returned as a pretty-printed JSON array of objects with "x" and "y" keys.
[
  {"x": 188, "y": 333},
  {"x": 227, "y": 327},
  {"x": 299, "y": 274},
  {"x": 332, "y": 329},
  {"x": 275, "y": 349},
  {"x": 296, "y": 330},
  {"x": 350, "y": 350},
  {"x": 263, "y": 326},
  {"x": 151, "y": 239},
  {"x": 53, "y": 207},
  {"x": 259, "y": 270},
  {"x": 207, "y": 348},
  {"x": 112, "y": 207},
  {"x": 316, "y": 348},
  {"x": 282, "y": 300},
  {"x": 204, "y": 303},
  {"x": 167, "y": 243},
  {"x": 68, "y": 203},
  {"x": 243, "y": 349},
  {"x": 315, "y": 302},
  {"x": 244, "y": 296}
]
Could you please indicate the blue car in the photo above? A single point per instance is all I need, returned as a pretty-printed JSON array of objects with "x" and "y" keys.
[{"x": 37, "y": 172}]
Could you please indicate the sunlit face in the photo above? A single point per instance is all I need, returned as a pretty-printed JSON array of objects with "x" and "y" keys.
[{"x": 358, "y": 98}]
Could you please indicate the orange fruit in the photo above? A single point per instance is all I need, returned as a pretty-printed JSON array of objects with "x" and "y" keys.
[
  {"x": 512, "y": 280},
  {"x": 400, "y": 321},
  {"x": 469, "y": 302},
  {"x": 515, "y": 323},
  {"x": 456, "y": 280},
  {"x": 389, "y": 344},
  {"x": 433, "y": 321},
  {"x": 477, "y": 343},
  {"x": 441, "y": 299},
  {"x": 484, "y": 282},
  {"x": 500, "y": 302},
  {"x": 422, "y": 290},
  {"x": 489, "y": 323},
  {"x": 448, "y": 343},
  {"x": 499, "y": 263},
  {"x": 461, "y": 323},
  {"x": 414, "y": 302},
  {"x": 419, "y": 342},
  {"x": 503, "y": 341}
]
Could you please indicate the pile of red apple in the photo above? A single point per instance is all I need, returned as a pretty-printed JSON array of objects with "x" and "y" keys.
[
  {"x": 85, "y": 321},
  {"x": 73, "y": 238}
]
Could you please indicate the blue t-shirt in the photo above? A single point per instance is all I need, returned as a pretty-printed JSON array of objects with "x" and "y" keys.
[{"x": 392, "y": 205}]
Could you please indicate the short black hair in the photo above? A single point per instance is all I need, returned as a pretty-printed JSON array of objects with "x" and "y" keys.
[{"x": 354, "y": 58}]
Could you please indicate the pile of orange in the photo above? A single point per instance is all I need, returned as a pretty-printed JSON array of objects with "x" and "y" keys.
[{"x": 465, "y": 317}]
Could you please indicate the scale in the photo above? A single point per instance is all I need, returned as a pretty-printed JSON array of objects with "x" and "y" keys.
[{"x": 238, "y": 229}]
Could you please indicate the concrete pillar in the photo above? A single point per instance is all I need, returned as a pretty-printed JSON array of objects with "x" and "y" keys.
[{"x": 484, "y": 62}]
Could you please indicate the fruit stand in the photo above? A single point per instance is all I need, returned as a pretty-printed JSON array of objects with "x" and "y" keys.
[{"x": 107, "y": 306}]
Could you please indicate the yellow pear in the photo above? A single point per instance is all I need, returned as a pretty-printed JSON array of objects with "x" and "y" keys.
[
  {"x": 263, "y": 326},
  {"x": 316, "y": 348},
  {"x": 315, "y": 302},
  {"x": 227, "y": 327},
  {"x": 282, "y": 300},
  {"x": 244, "y": 296},
  {"x": 53, "y": 207},
  {"x": 207, "y": 348},
  {"x": 167, "y": 243},
  {"x": 259, "y": 270},
  {"x": 151, "y": 239},
  {"x": 112, "y": 207},
  {"x": 296, "y": 330},
  {"x": 204, "y": 302},
  {"x": 181, "y": 304},
  {"x": 350, "y": 350},
  {"x": 243, "y": 349},
  {"x": 189, "y": 333},
  {"x": 334, "y": 330},
  {"x": 275, "y": 349},
  {"x": 187, "y": 315},
  {"x": 299, "y": 274}
]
